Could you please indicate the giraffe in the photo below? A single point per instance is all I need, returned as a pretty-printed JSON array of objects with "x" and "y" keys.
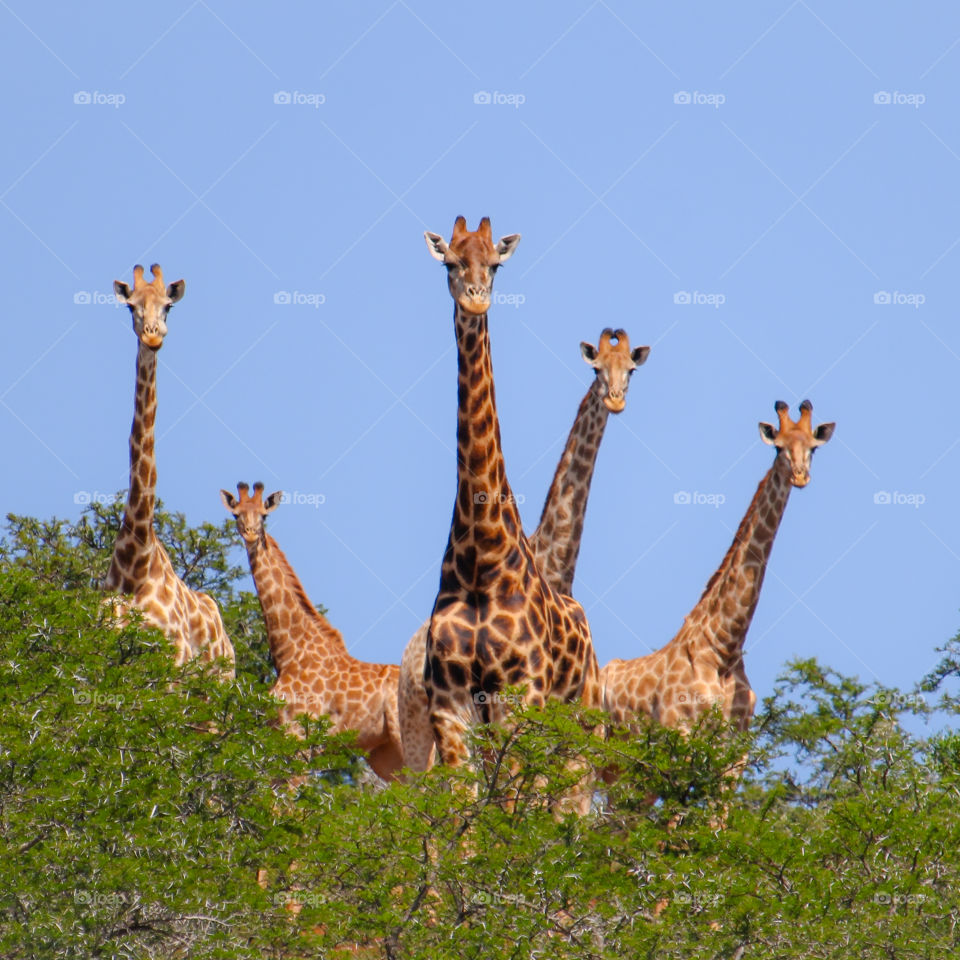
[
  {"x": 556, "y": 541},
  {"x": 703, "y": 664},
  {"x": 140, "y": 569},
  {"x": 496, "y": 621},
  {"x": 315, "y": 674}
]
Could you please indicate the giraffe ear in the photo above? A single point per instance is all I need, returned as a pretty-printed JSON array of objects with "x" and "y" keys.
[
  {"x": 507, "y": 245},
  {"x": 436, "y": 245},
  {"x": 229, "y": 500},
  {"x": 589, "y": 352},
  {"x": 768, "y": 434},
  {"x": 823, "y": 433},
  {"x": 273, "y": 501},
  {"x": 121, "y": 291},
  {"x": 175, "y": 290},
  {"x": 639, "y": 355}
]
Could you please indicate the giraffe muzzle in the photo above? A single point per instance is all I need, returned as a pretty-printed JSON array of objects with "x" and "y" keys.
[
  {"x": 615, "y": 404},
  {"x": 475, "y": 305}
]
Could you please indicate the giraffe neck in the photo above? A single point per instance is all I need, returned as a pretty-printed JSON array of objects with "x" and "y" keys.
[
  {"x": 296, "y": 630},
  {"x": 556, "y": 541},
  {"x": 485, "y": 533},
  {"x": 135, "y": 539},
  {"x": 722, "y": 616}
]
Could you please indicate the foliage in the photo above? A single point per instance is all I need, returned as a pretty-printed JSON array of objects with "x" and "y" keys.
[
  {"x": 77, "y": 554},
  {"x": 139, "y": 801}
]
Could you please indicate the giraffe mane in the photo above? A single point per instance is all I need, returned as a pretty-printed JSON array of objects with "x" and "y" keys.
[{"x": 296, "y": 587}]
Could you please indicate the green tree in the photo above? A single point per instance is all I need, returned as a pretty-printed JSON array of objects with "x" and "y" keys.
[{"x": 139, "y": 801}]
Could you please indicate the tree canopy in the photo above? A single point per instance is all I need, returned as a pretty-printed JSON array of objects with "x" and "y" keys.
[{"x": 149, "y": 810}]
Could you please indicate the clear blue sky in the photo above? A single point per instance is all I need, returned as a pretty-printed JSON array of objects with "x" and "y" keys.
[{"x": 782, "y": 193}]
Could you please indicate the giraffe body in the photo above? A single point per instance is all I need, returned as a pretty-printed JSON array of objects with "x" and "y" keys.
[
  {"x": 556, "y": 541},
  {"x": 140, "y": 570},
  {"x": 703, "y": 664},
  {"x": 496, "y": 621},
  {"x": 315, "y": 673}
]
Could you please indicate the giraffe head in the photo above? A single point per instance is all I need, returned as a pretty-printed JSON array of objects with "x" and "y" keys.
[
  {"x": 149, "y": 303},
  {"x": 250, "y": 511},
  {"x": 471, "y": 260},
  {"x": 614, "y": 362},
  {"x": 796, "y": 440}
]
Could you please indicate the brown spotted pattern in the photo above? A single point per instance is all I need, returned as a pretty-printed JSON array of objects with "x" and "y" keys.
[
  {"x": 703, "y": 664},
  {"x": 496, "y": 621},
  {"x": 556, "y": 541},
  {"x": 315, "y": 673},
  {"x": 140, "y": 569}
]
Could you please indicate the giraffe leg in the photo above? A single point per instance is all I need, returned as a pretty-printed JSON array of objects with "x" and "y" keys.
[
  {"x": 449, "y": 725},
  {"x": 581, "y": 797},
  {"x": 416, "y": 733}
]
